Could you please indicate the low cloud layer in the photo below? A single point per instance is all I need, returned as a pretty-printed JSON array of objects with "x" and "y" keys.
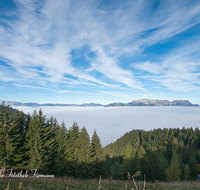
[{"x": 113, "y": 122}]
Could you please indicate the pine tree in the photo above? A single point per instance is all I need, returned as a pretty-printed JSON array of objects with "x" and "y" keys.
[
  {"x": 74, "y": 133},
  {"x": 38, "y": 144},
  {"x": 116, "y": 170},
  {"x": 19, "y": 121},
  {"x": 141, "y": 152},
  {"x": 186, "y": 172},
  {"x": 135, "y": 166},
  {"x": 85, "y": 155},
  {"x": 49, "y": 146},
  {"x": 97, "y": 154},
  {"x": 154, "y": 166},
  {"x": 173, "y": 173},
  {"x": 143, "y": 160},
  {"x": 193, "y": 168},
  {"x": 129, "y": 151},
  {"x": 61, "y": 167},
  {"x": 27, "y": 122},
  {"x": 9, "y": 140},
  {"x": 163, "y": 166},
  {"x": 129, "y": 154}
]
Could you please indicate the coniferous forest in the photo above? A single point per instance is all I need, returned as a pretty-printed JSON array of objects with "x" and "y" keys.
[{"x": 36, "y": 142}]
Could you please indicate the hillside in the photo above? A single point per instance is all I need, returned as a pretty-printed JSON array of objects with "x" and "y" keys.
[
  {"x": 160, "y": 154},
  {"x": 155, "y": 139}
]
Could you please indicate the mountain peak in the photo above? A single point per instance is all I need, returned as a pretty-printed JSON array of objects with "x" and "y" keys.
[{"x": 154, "y": 102}]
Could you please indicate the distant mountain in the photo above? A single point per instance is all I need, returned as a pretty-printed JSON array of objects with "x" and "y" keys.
[
  {"x": 31, "y": 104},
  {"x": 141, "y": 102},
  {"x": 148, "y": 102}
]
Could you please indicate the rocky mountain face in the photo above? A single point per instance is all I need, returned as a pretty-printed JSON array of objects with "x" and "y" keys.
[{"x": 148, "y": 102}]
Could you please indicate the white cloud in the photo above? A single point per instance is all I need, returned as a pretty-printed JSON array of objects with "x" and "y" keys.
[
  {"x": 177, "y": 70},
  {"x": 39, "y": 45}
]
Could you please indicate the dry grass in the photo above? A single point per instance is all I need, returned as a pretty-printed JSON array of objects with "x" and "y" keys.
[{"x": 94, "y": 184}]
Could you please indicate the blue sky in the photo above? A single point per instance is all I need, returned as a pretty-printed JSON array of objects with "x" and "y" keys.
[{"x": 73, "y": 51}]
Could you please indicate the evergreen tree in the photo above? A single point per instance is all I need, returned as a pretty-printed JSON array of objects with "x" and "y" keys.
[
  {"x": 186, "y": 172},
  {"x": 193, "y": 168},
  {"x": 144, "y": 162},
  {"x": 97, "y": 154},
  {"x": 116, "y": 170},
  {"x": 141, "y": 152},
  {"x": 61, "y": 167},
  {"x": 163, "y": 167},
  {"x": 49, "y": 140},
  {"x": 154, "y": 166},
  {"x": 135, "y": 166},
  {"x": 19, "y": 121},
  {"x": 173, "y": 173},
  {"x": 85, "y": 155},
  {"x": 129, "y": 154},
  {"x": 39, "y": 143},
  {"x": 27, "y": 122},
  {"x": 74, "y": 133},
  {"x": 9, "y": 140}
]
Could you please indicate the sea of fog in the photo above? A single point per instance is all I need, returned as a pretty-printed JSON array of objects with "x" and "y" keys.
[{"x": 113, "y": 122}]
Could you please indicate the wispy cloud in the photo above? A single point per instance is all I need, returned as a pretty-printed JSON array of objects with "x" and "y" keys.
[
  {"x": 177, "y": 70},
  {"x": 28, "y": 86},
  {"x": 38, "y": 45}
]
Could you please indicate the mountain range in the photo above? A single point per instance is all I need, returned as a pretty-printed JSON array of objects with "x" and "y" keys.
[
  {"x": 148, "y": 102},
  {"x": 141, "y": 102},
  {"x": 33, "y": 104}
]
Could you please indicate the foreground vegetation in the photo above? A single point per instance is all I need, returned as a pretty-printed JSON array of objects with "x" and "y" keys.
[{"x": 76, "y": 184}]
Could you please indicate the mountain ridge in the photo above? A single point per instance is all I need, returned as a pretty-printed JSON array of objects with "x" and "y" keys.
[
  {"x": 33, "y": 104},
  {"x": 153, "y": 102},
  {"x": 140, "y": 102}
]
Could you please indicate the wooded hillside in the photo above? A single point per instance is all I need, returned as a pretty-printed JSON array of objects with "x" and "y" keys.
[{"x": 161, "y": 154}]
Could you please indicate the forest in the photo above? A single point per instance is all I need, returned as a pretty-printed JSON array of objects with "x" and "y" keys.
[{"x": 35, "y": 142}]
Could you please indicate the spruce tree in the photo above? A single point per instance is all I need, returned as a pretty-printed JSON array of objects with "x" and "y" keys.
[
  {"x": 129, "y": 151},
  {"x": 61, "y": 167},
  {"x": 186, "y": 172},
  {"x": 74, "y": 133},
  {"x": 49, "y": 146},
  {"x": 143, "y": 160},
  {"x": 39, "y": 143},
  {"x": 173, "y": 173},
  {"x": 116, "y": 171},
  {"x": 129, "y": 154},
  {"x": 163, "y": 166},
  {"x": 154, "y": 166},
  {"x": 85, "y": 155},
  {"x": 193, "y": 168},
  {"x": 10, "y": 138},
  {"x": 19, "y": 121},
  {"x": 97, "y": 154}
]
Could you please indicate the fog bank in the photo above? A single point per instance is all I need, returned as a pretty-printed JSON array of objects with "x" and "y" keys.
[{"x": 113, "y": 122}]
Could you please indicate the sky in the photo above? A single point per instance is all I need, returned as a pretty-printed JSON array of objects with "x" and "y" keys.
[{"x": 100, "y": 51}]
